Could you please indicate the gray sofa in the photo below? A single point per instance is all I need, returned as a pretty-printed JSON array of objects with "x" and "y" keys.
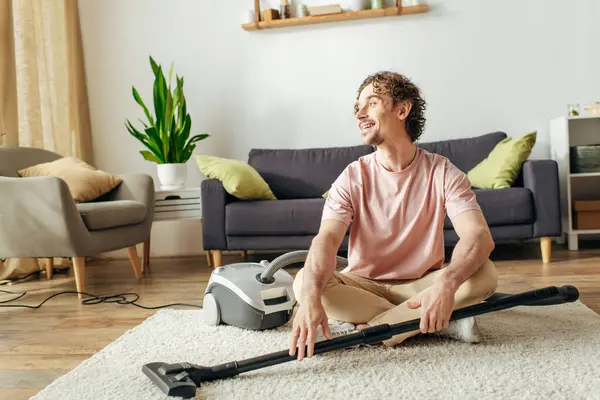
[{"x": 299, "y": 177}]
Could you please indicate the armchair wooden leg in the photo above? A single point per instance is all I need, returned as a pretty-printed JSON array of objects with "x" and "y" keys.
[
  {"x": 217, "y": 258},
  {"x": 79, "y": 271},
  {"x": 134, "y": 259},
  {"x": 208, "y": 258},
  {"x": 244, "y": 255},
  {"x": 546, "y": 245},
  {"x": 49, "y": 267}
]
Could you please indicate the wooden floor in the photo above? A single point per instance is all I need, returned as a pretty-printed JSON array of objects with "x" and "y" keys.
[{"x": 39, "y": 345}]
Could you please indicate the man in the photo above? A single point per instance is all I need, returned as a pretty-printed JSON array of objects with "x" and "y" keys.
[{"x": 395, "y": 200}]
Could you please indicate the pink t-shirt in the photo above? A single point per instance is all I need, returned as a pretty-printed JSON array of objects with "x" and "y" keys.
[{"x": 397, "y": 218}]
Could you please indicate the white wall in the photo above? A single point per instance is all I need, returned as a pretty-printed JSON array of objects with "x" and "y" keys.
[{"x": 483, "y": 66}]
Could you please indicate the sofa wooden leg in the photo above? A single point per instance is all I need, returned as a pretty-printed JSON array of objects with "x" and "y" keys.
[
  {"x": 244, "y": 255},
  {"x": 208, "y": 257},
  {"x": 49, "y": 267},
  {"x": 134, "y": 259},
  {"x": 79, "y": 271},
  {"x": 546, "y": 245},
  {"x": 217, "y": 258}
]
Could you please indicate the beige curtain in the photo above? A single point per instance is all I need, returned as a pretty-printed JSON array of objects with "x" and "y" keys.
[
  {"x": 42, "y": 81},
  {"x": 43, "y": 96}
]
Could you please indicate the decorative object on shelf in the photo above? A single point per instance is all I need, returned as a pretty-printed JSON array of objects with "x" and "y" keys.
[
  {"x": 375, "y": 4},
  {"x": 325, "y": 10},
  {"x": 573, "y": 110},
  {"x": 585, "y": 159},
  {"x": 166, "y": 134},
  {"x": 270, "y": 14},
  {"x": 285, "y": 9},
  {"x": 301, "y": 11},
  {"x": 593, "y": 108},
  {"x": 587, "y": 214},
  {"x": 356, "y": 5}
]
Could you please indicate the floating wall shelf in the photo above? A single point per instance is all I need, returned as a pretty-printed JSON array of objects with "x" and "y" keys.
[{"x": 345, "y": 16}]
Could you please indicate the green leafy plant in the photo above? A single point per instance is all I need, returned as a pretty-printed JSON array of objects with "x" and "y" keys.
[{"x": 166, "y": 134}]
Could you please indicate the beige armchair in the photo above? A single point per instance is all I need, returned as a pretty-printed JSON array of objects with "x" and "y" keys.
[{"x": 39, "y": 218}]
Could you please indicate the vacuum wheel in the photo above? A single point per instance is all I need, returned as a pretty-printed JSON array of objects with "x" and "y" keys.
[{"x": 212, "y": 315}]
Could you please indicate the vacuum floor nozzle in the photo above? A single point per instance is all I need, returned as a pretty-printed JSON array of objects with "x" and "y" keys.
[{"x": 171, "y": 381}]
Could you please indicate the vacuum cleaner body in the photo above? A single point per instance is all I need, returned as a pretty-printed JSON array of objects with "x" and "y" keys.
[{"x": 237, "y": 295}]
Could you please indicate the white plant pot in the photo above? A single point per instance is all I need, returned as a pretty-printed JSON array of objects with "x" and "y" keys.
[{"x": 171, "y": 176}]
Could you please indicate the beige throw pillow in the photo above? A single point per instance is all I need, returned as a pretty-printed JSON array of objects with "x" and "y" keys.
[{"x": 84, "y": 181}]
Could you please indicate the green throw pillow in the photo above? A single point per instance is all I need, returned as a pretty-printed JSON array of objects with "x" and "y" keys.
[
  {"x": 501, "y": 167},
  {"x": 239, "y": 179}
]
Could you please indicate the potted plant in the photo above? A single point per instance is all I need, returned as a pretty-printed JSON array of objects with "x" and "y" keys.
[{"x": 166, "y": 134}]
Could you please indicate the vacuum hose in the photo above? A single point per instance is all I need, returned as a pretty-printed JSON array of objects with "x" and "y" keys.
[{"x": 290, "y": 258}]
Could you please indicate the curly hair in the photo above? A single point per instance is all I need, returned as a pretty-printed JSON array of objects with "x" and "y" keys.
[{"x": 400, "y": 88}]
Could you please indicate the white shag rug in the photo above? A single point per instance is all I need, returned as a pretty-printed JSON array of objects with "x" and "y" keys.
[{"x": 528, "y": 353}]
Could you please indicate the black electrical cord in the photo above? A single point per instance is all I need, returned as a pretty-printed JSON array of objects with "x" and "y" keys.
[{"x": 119, "y": 298}]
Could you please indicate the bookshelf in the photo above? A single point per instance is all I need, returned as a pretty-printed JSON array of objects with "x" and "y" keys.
[
  {"x": 566, "y": 132},
  {"x": 337, "y": 17}
]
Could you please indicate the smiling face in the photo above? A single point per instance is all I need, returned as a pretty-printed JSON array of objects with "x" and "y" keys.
[
  {"x": 377, "y": 117},
  {"x": 389, "y": 107}
]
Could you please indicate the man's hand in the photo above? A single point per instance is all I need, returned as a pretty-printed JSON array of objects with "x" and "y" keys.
[
  {"x": 436, "y": 303},
  {"x": 318, "y": 270},
  {"x": 309, "y": 316}
]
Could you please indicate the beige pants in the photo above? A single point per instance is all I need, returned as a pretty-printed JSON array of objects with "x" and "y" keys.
[{"x": 358, "y": 300}]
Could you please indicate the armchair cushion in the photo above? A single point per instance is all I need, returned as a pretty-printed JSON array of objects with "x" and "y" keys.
[
  {"x": 111, "y": 214},
  {"x": 84, "y": 181}
]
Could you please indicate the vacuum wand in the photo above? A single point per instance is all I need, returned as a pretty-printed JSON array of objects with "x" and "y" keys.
[{"x": 182, "y": 379}]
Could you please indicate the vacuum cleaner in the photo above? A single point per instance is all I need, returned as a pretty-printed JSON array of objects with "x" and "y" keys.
[
  {"x": 183, "y": 379},
  {"x": 255, "y": 296}
]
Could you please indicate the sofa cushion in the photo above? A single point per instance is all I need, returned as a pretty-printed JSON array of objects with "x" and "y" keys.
[
  {"x": 303, "y": 173},
  {"x": 501, "y": 167},
  {"x": 282, "y": 217},
  {"x": 510, "y": 206},
  {"x": 238, "y": 178},
  {"x": 303, "y": 216},
  {"x": 111, "y": 214},
  {"x": 465, "y": 153}
]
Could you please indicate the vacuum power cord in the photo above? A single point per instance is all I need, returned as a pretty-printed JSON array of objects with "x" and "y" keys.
[{"x": 119, "y": 298}]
